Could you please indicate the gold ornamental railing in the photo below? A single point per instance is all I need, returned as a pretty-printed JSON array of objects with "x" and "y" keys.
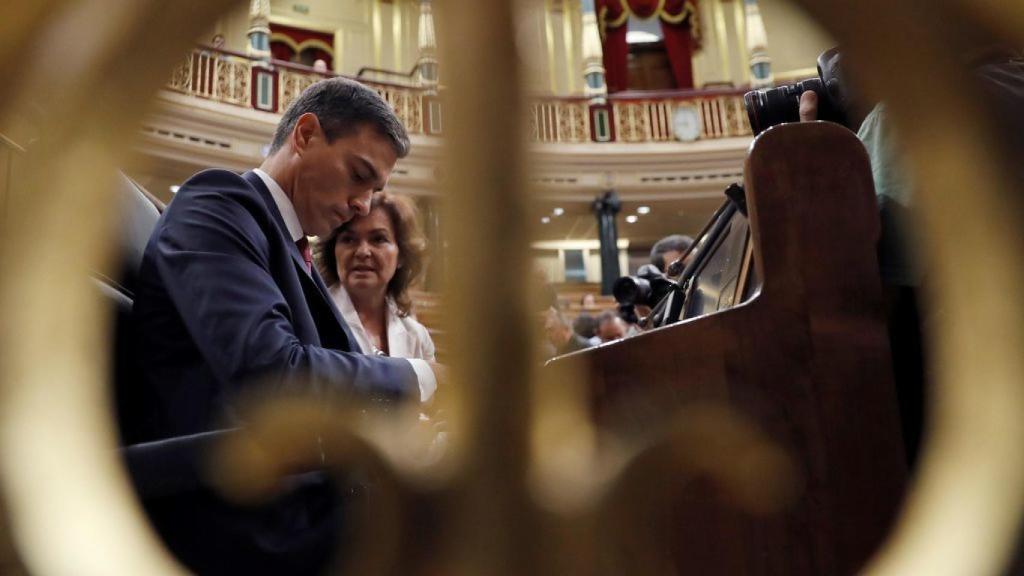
[
  {"x": 636, "y": 117},
  {"x": 240, "y": 80}
]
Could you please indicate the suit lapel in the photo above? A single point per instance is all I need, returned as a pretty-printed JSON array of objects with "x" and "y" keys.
[
  {"x": 268, "y": 199},
  {"x": 334, "y": 309},
  {"x": 312, "y": 283}
]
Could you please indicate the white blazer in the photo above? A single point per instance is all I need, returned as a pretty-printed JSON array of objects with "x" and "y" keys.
[{"x": 407, "y": 338}]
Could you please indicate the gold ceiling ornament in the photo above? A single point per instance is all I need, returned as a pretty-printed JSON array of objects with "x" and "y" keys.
[{"x": 519, "y": 444}]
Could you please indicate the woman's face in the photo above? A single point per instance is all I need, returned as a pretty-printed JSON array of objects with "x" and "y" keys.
[{"x": 367, "y": 253}]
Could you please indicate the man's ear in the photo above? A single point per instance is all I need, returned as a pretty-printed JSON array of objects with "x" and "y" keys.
[{"x": 307, "y": 127}]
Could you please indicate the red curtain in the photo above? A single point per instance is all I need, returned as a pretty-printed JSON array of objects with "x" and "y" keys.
[
  {"x": 281, "y": 51},
  {"x": 611, "y": 17},
  {"x": 679, "y": 25}
]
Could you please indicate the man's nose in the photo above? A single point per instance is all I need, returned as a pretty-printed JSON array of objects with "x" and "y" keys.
[{"x": 361, "y": 204}]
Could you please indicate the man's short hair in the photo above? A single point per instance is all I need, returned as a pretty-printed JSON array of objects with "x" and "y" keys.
[
  {"x": 343, "y": 106},
  {"x": 585, "y": 325},
  {"x": 673, "y": 243}
]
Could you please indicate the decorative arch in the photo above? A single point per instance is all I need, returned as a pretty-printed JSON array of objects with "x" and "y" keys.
[{"x": 300, "y": 45}]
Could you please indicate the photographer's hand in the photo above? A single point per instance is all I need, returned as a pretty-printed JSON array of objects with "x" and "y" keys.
[{"x": 808, "y": 106}]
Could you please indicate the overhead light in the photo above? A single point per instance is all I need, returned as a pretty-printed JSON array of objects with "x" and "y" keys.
[
  {"x": 631, "y": 218},
  {"x": 174, "y": 189},
  {"x": 643, "y": 210},
  {"x": 545, "y": 220},
  {"x": 558, "y": 211}
]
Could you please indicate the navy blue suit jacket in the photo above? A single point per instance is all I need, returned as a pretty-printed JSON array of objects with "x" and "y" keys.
[{"x": 224, "y": 302}]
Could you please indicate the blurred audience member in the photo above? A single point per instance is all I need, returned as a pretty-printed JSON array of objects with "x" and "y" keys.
[
  {"x": 588, "y": 301},
  {"x": 630, "y": 317},
  {"x": 586, "y": 326},
  {"x": 610, "y": 326},
  {"x": 669, "y": 249},
  {"x": 561, "y": 335}
]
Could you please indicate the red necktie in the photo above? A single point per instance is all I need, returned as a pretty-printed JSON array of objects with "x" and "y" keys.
[{"x": 307, "y": 253}]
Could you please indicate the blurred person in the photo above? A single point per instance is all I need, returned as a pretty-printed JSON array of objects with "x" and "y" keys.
[
  {"x": 369, "y": 264},
  {"x": 560, "y": 333},
  {"x": 586, "y": 326},
  {"x": 610, "y": 326},
  {"x": 630, "y": 316},
  {"x": 669, "y": 249},
  {"x": 320, "y": 65},
  {"x": 588, "y": 301}
]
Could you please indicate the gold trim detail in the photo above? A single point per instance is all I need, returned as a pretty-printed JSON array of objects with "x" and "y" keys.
[{"x": 300, "y": 46}]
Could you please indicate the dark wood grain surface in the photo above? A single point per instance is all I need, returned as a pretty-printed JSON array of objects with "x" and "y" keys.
[{"x": 807, "y": 359}]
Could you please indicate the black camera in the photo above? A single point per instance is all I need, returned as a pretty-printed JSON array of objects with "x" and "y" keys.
[
  {"x": 647, "y": 288},
  {"x": 772, "y": 106}
]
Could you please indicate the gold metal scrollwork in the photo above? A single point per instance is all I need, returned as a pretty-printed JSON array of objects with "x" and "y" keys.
[{"x": 66, "y": 506}]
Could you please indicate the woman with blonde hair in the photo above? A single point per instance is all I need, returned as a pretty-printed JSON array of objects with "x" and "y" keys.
[{"x": 369, "y": 264}]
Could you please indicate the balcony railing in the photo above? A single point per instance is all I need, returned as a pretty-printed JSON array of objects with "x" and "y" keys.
[{"x": 637, "y": 117}]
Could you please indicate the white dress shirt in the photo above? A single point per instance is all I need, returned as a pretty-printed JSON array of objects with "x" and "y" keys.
[{"x": 424, "y": 374}]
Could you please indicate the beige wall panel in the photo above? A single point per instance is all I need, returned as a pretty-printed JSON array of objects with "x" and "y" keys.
[
  {"x": 794, "y": 40},
  {"x": 234, "y": 25},
  {"x": 734, "y": 18},
  {"x": 410, "y": 31},
  {"x": 710, "y": 65},
  {"x": 550, "y": 263},
  {"x": 357, "y": 51},
  {"x": 323, "y": 14},
  {"x": 551, "y": 45},
  {"x": 533, "y": 48},
  {"x": 352, "y": 21},
  {"x": 556, "y": 49}
]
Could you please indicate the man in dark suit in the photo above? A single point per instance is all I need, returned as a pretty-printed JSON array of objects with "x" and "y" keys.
[{"x": 227, "y": 298}]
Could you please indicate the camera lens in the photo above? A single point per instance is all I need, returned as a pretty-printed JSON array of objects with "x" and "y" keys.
[
  {"x": 772, "y": 106},
  {"x": 629, "y": 290}
]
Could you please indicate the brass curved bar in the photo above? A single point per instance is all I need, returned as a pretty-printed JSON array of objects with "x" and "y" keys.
[
  {"x": 965, "y": 508},
  {"x": 713, "y": 445},
  {"x": 82, "y": 74},
  {"x": 290, "y": 435}
]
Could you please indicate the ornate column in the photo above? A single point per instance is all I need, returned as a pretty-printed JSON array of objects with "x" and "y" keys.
[
  {"x": 427, "y": 47},
  {"x": 259, "y": 29},
  {"x": 606, "y": 207},
  {"x": 593, "y": 62},
  {"x": 757, "y": 47},
  {"x": 263, "y": 94}
]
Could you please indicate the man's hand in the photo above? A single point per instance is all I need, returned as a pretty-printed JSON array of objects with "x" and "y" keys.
[{"x": 808, "y": 106}]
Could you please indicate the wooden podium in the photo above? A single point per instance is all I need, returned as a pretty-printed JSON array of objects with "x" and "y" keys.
[{"x": 803, "y": 353}]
